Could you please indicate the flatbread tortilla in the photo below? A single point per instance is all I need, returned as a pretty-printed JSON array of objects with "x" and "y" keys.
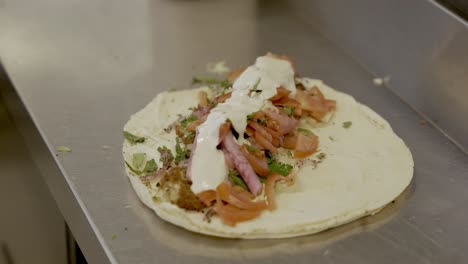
[{"x": 365, "y": 167}]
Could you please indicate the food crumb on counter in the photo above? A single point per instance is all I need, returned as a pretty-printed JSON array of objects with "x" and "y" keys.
[{"x": 63, "y": 149}]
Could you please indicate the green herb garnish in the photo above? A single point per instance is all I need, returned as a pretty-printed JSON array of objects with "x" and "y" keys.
[
  {"x": 347, "y": 124},
  {"x": 289, "y": 110},
  {"x": 114, "y": 236},
  {"x": 305, "y": 131},
  {"x": 150, "y": 166},
  {"x": 262, "y": 179},
  {"x": 180, "y": 153},
  {"x": 132, "y": 138},
  {"x": 189, "y": 119},
  {"x": 138, "y": 159},
  {"x": 166, "y": 155},
  {"x": 250, "y": 116},
  {"x": 134, "y": 171},
  {"x": 236, "y": 179},
  {"x": 279, "y": 167},
  {"x": 251, "y": 148}
]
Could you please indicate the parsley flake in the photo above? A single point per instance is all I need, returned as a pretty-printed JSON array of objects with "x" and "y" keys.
[
  {"x": 236, "y": 179},
  {"x": 188, "y": 120},
  {"x": 150, "y": 166},
  {"x": 133, "y": 138},
  {"x": 180, "y": 153},
  {"x": 304, "y": 131},
  {"x": 279, "y": 167},
  {"x": 138, "y": 159},
  {"x": 289, "y": 110},
  {"x": 63, "y": 149},
  {"x": 347, "y": 124},
  {"x": 249, "y": 117}
]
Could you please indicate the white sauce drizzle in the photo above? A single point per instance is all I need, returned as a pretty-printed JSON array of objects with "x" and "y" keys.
[{"x": 208, "y": 168}]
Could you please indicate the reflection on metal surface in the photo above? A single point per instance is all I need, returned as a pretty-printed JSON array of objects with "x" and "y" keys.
[
  {"x": 6, "y": 254},
  {"x": 419, "y": 44}
]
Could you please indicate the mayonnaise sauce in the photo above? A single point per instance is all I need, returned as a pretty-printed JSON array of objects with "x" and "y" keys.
[{"x": 208, "y": 168}]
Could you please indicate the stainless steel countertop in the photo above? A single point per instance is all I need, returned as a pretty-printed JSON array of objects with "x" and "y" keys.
[{"x": 81, "y": 68}]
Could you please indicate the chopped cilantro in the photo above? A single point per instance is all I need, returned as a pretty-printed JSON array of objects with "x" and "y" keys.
[
  {"x": 180, "y": 153},
  {"x": 290, "y": 154},
  {"x": 262, "y": 179},
  {"x": 250, "y": 116},
  {"x": 138, "y": 159},
  {"x": 236, "y": 179},
  {"x": 347, "y": 124},
  {"x": 188, "y": 134},
  {"x": 132, "y": 138},
  {"x": 225, "y": 84},
  {"x": 150, "y": 166},
  {"x": 279, "y": 167},
  {"x": 289, "y": 110},
  {"x": 251, "y": 148},
  {"x": 189, "y": 119},
  {"x": 166, "y": 155},
  {"x": 305, "y": 131},
  {"x": 114, "y": 236}
]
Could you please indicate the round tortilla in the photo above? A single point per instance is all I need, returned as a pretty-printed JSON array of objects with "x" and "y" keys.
[{"x": 366, "y": 166}]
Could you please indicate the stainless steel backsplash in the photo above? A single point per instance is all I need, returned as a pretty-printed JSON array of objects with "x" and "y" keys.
[{"x": 420, "y": 45}]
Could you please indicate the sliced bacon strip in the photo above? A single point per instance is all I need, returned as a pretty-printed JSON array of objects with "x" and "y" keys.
[
  {"x": 281, "y": 92},
  {"x": 289, "y": 142},
  {"x": 314, "y": 103},
  {"x": 286, "y": 123},
  {"x": 223, "y": 130},
  {"x": 305, "y": 145},
  {"x": 222, "y": 98},
  {"x": 261, "y": 130},
  {"x": 193, "y": 125},
  {"x": 207, "y": 197},
  {"x": 231, "y": 215},
  {"x": 257, "y": 160},
  {"x": 241, "y": 163},
  {"x": 201, "y": 111},
  {"x": 227, "y": 195},
  {"x": 262, "y": 141}
]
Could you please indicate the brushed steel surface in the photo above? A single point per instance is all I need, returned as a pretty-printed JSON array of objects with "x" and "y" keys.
[
  {"x": 81, "y": 68},
  {"x": 419, "y": 45}
]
